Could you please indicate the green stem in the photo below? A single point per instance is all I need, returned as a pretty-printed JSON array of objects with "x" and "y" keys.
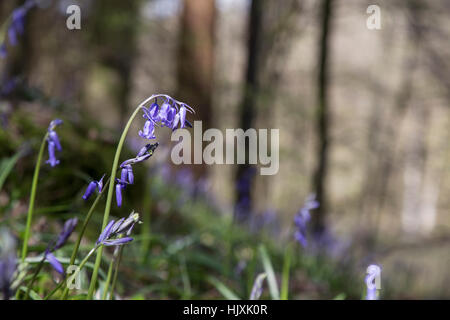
[
  {"x": 116, "y": 272},
  {"x": 36, "y": 272},
  {"x": 286, "y": 270},
  {"x": 32, "y": 198},
  {"x": 55, "y": 289},
  {"x": 108, "y": 278},
  {"x": 80, "y": 236},
  {"x": 83, "y": 262},
  {"x": 110, "y": 195}
]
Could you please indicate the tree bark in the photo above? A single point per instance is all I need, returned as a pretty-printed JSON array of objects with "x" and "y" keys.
[
  {"x": 245, "y": 172},
  {"x": 196, "y": 61},
  {"x": 322, "y": 118}
]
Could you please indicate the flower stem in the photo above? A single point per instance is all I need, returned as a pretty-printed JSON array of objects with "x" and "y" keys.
[
  {"x": 108, "y": 278},
  {"x": 285, "y": 275},
  {"x": 32, "y": 198},
  {"x": 110, "y": 195},
  {"x": 55, "y": 289},
  {"x": 38, "y": 269},
  {"x": 83, "y": 229},
  {"x": 116, "y": 271}
]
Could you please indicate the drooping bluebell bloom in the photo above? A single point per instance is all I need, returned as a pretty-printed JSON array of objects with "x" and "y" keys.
[
  {"x": 149, "y": 130},
  {"x": 67, "y": 230},
  {"x": 120, "y": 185},
  {"x": 126, "y": 174},
  {"x": 53, "y": 142},
  {"x": 93, "y": 185},
  {"x": 8, "y": 262},
  {"x": 17, "y": 25},
  {"x": 171, "y": 114},
  {"x": 111, "y": 235},
  {"x": 69, "y": 227},
  {"x": 302, "y": 218},
  {"x": 51, "y": 154}
]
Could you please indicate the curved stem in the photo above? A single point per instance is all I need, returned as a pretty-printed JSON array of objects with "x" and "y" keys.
[
  {"x": 110, "y": 195},
  {"x": 55, "y": 289},
  {"x": 32, "y": 198},
  {"x": 116, "y": 272},
  {"x": 38, "y": 269},
  {"x": 83, "y": 229}
]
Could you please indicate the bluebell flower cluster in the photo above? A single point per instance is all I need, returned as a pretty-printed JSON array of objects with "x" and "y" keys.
[
  {"x": 126, "y": 175},
  {"x": 69, "y": 227},
  {"x": 16, "y": 26},
  {"x": 93, "y": 185},
  {"x": 53, "y": 142},
  {"x": 302, "y": 218},
  {"x": 171, "y": 114},
  {"x": 118, "y": 232}
]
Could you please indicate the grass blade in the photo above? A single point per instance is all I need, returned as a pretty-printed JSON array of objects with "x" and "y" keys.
[
  {"x": 223, "y": 289},
  {"x": 271, "y": 278}
]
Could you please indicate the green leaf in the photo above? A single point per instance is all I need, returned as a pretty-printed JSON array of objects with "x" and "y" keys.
[
  {"x": 271, "y": 278},
  {"x": 33, "y": 294},
  {"x": 223, "y": 289},
  {"x": 6, "y": 167},
  {"x": 340, "y": 296}
]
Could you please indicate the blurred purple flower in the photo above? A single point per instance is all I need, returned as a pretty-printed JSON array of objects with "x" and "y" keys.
[
  {"x": 8, "y": 262},
  {"x": 69, "y": 227},
  {"x": 302, "y": 218},
  {"x": 17, "y": 25},
  {"x": 53, "y": 142}
]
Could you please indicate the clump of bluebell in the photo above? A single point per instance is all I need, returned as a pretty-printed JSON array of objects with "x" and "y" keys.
[
  {"x": 171, "y": 114},
  {"x": 16, "y": 26},
  {"x": 302, "y": 218}
]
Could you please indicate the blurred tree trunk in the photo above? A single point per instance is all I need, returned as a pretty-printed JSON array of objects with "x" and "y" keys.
[
  {"x": 322, "y": 117},
  {"x": 245, "y": 172},
  {"x": 196, "y": 61}
]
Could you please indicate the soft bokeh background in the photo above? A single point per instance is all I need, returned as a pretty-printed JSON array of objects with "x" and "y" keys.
[{"x": 379, "y": 162}]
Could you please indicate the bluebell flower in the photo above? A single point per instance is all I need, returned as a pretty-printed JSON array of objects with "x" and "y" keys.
[
  {"x": 17, "y": 25},
  {"x": 93, "y": 185},
  {"x": 117, "y": 232},
  {"x": 120, "y": 185},
  {"x": 126, "y": 174},
  {"x": 302, "y": 218},
  {"x": 53, "y": 142},
  {"x": 149, "y": 130},
  {"x": 171, "y": 114},
  {"x": 69, "y": 227},
  {"x": 8, "y": 262}
]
